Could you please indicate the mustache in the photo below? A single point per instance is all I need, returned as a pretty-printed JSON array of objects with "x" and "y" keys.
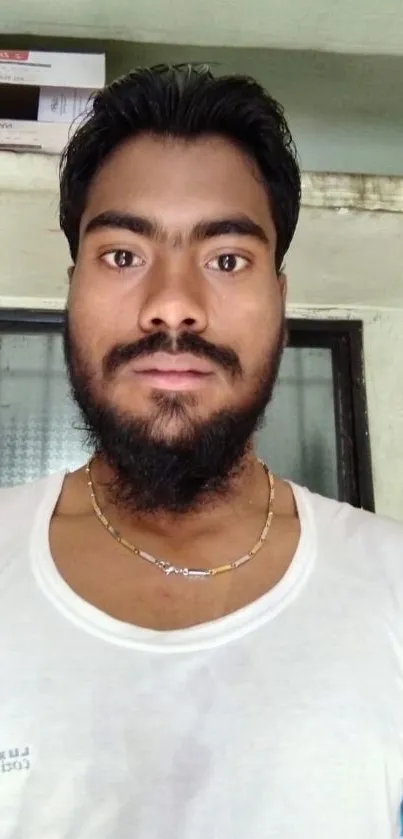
[{"x": 186, "y": 342}]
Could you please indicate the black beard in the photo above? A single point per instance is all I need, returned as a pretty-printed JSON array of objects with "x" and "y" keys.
[{"x": 156, "y": 475}]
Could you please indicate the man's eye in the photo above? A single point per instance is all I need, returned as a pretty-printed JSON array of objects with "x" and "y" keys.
[
  {"x": 122, "y": 259},
  {"x": 229, "y": 263}
]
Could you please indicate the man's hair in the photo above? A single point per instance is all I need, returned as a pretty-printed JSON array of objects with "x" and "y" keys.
[{"x": 185, "y": 102}]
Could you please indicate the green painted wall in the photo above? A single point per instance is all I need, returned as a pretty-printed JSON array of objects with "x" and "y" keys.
[{"x": 346, "y": 112}]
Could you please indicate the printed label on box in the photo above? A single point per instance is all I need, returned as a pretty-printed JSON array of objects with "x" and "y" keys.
[{"x": 14, "y": 55}]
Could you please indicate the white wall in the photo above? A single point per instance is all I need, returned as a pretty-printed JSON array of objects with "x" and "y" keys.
[{"x": 342, "y": 265}]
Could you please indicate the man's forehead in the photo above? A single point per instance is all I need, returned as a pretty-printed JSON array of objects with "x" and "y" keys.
[
  {"x": 159, "y": 180},
  {"x": 161, "y": 168}
]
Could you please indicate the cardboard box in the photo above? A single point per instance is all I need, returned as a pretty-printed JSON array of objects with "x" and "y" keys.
[
  {"x": 52, "y": 69},
  {"x": 42, "y": 94},
  {"x": 20, "y": 135}
]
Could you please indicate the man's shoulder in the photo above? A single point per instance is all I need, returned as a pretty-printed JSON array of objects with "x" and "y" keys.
[
  {"x": 19, "y": 504},
  {"x": 352, "y": 518},
  {"x": 355, "y": 532},
  {"x": 357, "y": 519}
]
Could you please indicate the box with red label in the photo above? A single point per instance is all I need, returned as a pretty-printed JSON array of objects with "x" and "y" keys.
[{"x": 42, "y": 94}]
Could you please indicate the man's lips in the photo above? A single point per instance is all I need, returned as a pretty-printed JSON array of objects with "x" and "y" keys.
[
  {"x": 170, "y": 363},
  {"x": 172, "y": 372}
]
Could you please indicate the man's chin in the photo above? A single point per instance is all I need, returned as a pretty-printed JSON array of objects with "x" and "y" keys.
[
  {"x": 169, "y": 460},
  {"x": 170, "y": 419},
  {"x": 173, "y": 432}
]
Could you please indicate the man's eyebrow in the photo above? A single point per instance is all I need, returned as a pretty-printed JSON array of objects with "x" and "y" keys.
[
  {"x": 124, "y": 221},
  {"x": 238, "y": 225}
]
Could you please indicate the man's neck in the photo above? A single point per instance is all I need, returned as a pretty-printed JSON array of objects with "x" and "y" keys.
[
  {"x": 108, "y": 576},
  {"x": 245, "y": 499}
]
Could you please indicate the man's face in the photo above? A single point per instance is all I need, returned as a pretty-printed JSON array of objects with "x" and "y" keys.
[{"x": 175, "y": 311}]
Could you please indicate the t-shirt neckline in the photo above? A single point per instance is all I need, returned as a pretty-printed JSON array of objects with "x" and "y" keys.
[{"x": 208, "y": 635}]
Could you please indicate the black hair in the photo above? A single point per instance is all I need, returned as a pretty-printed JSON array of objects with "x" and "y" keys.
[{"x": 185, "y": 102}]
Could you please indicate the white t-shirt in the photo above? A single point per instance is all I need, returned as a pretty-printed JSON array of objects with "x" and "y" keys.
[{"x": 283, "y": 720}]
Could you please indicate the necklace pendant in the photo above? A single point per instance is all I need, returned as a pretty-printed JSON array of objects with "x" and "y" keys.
[{"x": 169, "y": 570}]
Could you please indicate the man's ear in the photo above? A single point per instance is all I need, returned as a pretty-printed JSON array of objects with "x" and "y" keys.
[
  {"x": 282, "y": 278},
  {"x": 70, "y": 272}
]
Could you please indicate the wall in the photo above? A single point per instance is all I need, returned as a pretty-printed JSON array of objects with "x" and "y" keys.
[
  {"x": 365, "y": 26},
  {"x": 342, "y": 264},
  {"x": 344, "y": 110}
]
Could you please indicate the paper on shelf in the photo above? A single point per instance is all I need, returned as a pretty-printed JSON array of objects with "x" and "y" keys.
[{"x": 63, "y": 104}]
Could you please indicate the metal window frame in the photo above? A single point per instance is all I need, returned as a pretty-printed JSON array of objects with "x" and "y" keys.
[{"x": 344, "y": 338}]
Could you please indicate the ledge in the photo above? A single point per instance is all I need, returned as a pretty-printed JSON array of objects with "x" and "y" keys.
[
  {"x": 356, "y": 192},
  {"x": 23, "y": 172}
]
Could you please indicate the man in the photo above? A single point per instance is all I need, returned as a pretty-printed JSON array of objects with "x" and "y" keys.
[{"x": 192, "y": 648}]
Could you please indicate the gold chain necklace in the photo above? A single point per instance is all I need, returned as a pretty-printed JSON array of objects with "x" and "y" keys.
[{"x": 167, "y": 567}]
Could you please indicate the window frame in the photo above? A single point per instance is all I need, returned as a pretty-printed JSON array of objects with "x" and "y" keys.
[{"x": 344, "y": 338}]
